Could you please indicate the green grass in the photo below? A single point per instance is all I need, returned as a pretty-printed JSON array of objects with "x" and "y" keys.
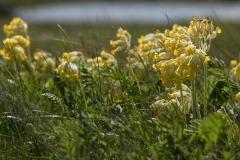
[{"x": 47, "y": 116}]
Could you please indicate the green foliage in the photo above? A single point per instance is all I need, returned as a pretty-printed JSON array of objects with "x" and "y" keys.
[{"x": 216, "y": 66}]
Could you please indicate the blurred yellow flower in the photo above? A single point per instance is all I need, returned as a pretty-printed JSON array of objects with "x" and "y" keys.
[
  {"x": 69, "y": 70},
  {"x": 16, "y": 27},
  {"x": 233, "y": 63},
  {"x": 9, "y": 43},
  {"x": 74, "y": 56},
  {"x": 237, "y": 96},
  {"x": 123, "y": 42},
  {"x": 236, "y": 70}
]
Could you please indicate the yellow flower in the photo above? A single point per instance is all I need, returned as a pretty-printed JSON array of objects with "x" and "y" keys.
[
  {"x": 112, "y": 91},
  {"x": 48, "y": 65},
  {"x": 201, "y": 32},
  {"x": 218, "y": 30},
  {"x": 16, "y": 27},
  {"x": 123, "y": 42},
  {"x": 40, "y": 55},
  {"x": 187, "y": 99},
  {"x": 168, "y": 75},
  {"x": 10, "y": 43},
  {"x": 113, "y": 44},
  {"x": 233, "y": 63},
  {"x": 74, "y": 56},
  {"x": 166, "y": 32},
  {"x": 160, "y": 108},
  {"x": 16, "y": 53},
  {"x": 237, "y": 70},
  {"x": 69, "y": 70},
  {"x": 206, "y": 59},
  {"x": 237, "y": 96},
  {"x": 106, "y": 55}
]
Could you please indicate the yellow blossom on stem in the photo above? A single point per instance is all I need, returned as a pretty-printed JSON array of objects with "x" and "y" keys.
[
  {"x": 69, "y": 70},
  {"x": 16, "y": 27},
  {"x": 237, "y": 96},
  {"x": 74, "y": 56},
  {"x": 233, "y": 63},
  {"x": 9, "y": 43},
  {"x": 123, "y": 42},
  {"x": 237, "y": 70}
]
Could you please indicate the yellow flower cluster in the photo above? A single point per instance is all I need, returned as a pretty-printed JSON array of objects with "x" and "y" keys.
[
  {"x": 177, "y": 54},
  {"x": 201, "y": 32},
  {"x": 69, "y": 70},
  {"x": 10, "y": 43},
  {"x": 16, "y": 41},
  {"x": 16, "y": 27},
  {"x": 44, "y": 62},
  {"x": 173, "y": 105},
  {"x": 105, "y": 60},
  {"x": 74, "y": 57},
  {"x": 123, "y": 42},
  {"x": 182, "y": 51},
  {"x": 164, "y": 107},
  {"x": 19, "y": 54},
  {"x": 237, "y": 96},
  {"x": 236, "y": 68},
  {"x": 69, "y": 66},
  {"x": 185, "y": 106}
]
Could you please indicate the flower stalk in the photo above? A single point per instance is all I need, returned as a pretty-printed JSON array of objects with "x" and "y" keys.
[
  {"x": 205, "y": 89},
  {"x": 194, "y": 99}
]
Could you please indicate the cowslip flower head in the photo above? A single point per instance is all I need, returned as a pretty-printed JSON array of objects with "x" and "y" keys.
[
  {"x": 147, "y": 42},
  {"x": 187, "y": 98},
  {"x": 108, "y": 59},
  {"x": 163, "y": 107},
  {"x": 16, "y": 27},
  {"x": 123, "y": 42},
  {"x": 17, "y": 53},
  {"x": 9, "y": 43},
  {"x": 40, "y": 55},
  {"x": 134, "y": 63},
  {"x": 187, "y": 48},
  {"x": 233, "y": 63},
  {"x": 237, "y": 96},
  {"x": 75, "y": 57},
  {"x": 168, "y": 75},
  {"x": 201, "y": 32},
  {"x": 236, "y": 70},
  {"x": 69, "y": 70},
  {"x": 46, "y": 65}
]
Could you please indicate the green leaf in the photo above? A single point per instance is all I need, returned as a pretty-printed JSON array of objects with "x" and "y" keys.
[
  {"x": 209, "y": 130},
  {"x": 220, "y": 91},
  {"x": 234, "y": 86},
  {"x": 216, "y": 66}
]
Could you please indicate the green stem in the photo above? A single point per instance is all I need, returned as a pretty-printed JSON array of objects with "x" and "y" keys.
[
  {"x": 181, "y": 93},
  {"x": 136, "y": 81},
  {"x": 205, "y": 90},
  {"x": 28, "y": 50},
  {"x": 194, "y": 101},
  {"x": 184, "y": 111},
  {"x": 82, "y": 91}
]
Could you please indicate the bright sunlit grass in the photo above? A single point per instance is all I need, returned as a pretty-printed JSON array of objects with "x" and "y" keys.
[{"x": 99, "y": 93}]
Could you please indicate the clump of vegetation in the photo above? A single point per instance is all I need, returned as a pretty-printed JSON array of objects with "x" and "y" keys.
[{"x": 166, "y": 98}]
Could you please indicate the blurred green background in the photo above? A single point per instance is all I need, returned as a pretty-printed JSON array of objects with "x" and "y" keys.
[{"x": 91, "y": 39}]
